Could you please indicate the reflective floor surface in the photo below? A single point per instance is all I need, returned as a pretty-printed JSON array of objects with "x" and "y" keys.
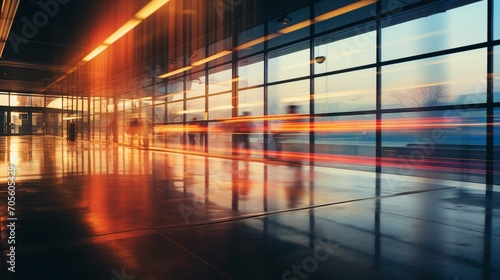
[{"x": 94, "y": 211}]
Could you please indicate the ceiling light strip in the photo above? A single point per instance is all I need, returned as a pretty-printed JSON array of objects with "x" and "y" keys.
[
  {"x": 344, "y": 10},
  {"x": 9, "y": 9},
  {"x": 150, "y": 8},
  {"x": 212, "y": 57},
  {"x": 95, "y": 52},
  {"x": 141, "y": 15},
  {"x": 129, "y": 25},
  {"x": 175, "y": 72}
]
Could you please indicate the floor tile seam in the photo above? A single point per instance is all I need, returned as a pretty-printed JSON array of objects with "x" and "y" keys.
[
  {"x": 284, "y": 211},
  {"x": 84, "y": 240},
  {"x": 434, "y": 222},
  {"x": 394, "y": 238},
  {"x": 199, "y": 258}
]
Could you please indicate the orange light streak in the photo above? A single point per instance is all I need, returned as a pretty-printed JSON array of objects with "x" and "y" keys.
[{"x": 301, "y": 124}]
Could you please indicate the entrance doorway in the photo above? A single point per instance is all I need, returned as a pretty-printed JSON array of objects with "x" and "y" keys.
[
  {"x": 21, "y": 122},
  {"x": 30, "y": 121}
]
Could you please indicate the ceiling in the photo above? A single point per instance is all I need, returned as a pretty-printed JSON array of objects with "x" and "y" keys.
[{"x": 48, "y": 37}]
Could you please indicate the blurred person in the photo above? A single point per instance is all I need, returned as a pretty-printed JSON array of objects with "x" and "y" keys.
[
  {"x": 72, "y": 132},
  {"x": 242, "y": 132},
  {"x": 144, "y": 129},
  {"x": 193, "y": 129},
  {"x": 290, "y": 136},
  {"x": 203, "y": 127},
  {"x": 133, "y": 129}
]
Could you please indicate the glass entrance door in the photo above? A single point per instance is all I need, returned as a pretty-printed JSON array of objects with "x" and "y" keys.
[{"x": 19, "y": 123}]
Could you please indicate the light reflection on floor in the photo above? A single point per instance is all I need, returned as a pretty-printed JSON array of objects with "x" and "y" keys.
[{"x": 157, "y": 213}]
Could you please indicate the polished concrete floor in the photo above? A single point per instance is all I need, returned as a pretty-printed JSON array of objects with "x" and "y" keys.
[{"x": 95, "y": 211}]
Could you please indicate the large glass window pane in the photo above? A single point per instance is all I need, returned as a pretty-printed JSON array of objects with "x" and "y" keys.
[
  {"x": 251, "y": 35},
  {"x": 146, "y": 96},
  {"x": 160, "y": 93},
  {"x": 195, "y": 56},
  {"x": 53, "y": 102},
  {"x": 289, "y": 62},
  {"x": 444, "y": 80},
  {"x": 496, "y": 149},
  {"x": 174, "y": 112},
  {"x": 23, "y": 100},
  {"x": 220, "y": 79},
  {"x": 282, "y": 95},
  {"x": 174, "y": 90},
  {"x": 392, "y": 6},
  {"x": 53, "y": 124},
  {"x": 251, "y": 71},
  {"x": 195, "y": 108},
  {"x": 159, "y": 114},
  {"x": 281, "y": 24},
  {"x": 195, "y": 85},
  {"x": 323, "y": 8},
  {"x": 346, "y": 141},
  {"x": 219, "y": 46},
  {"x": 351, "y": 91},
  {"x": 123, "y": 122},
  {"x": 251, "y": 100},
  {"x": 345, "y": 50},
  {"x": 437, "y": 32},
  {"x": 37, "y": 101},
  {"x": 496, "y": 73},
  {"x": 219, "y": 106},
  {"x": 496, "y": 20},
  {"x": 4, "y": 99},
  {"x": 447, "y": 144}
]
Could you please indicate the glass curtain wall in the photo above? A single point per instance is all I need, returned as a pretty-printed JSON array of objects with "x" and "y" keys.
[{"x": 421, "y": 72}]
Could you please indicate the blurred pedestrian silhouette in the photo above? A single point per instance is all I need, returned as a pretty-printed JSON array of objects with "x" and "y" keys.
[
  {"x": 193, "y": 130},
  {"x": 242, "y": 131},
  {"x": 133, "y": 130},
  {"x": 289, "y": 136},
  {"x": 72, "y": 132},
  {"x": 144, "y": 128}
]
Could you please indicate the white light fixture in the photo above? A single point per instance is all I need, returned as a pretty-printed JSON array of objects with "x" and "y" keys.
[{"x": 284, "y": 20}]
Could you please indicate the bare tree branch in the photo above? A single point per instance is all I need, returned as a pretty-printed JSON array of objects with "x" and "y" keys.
[{"x": 422, "y": 96}]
